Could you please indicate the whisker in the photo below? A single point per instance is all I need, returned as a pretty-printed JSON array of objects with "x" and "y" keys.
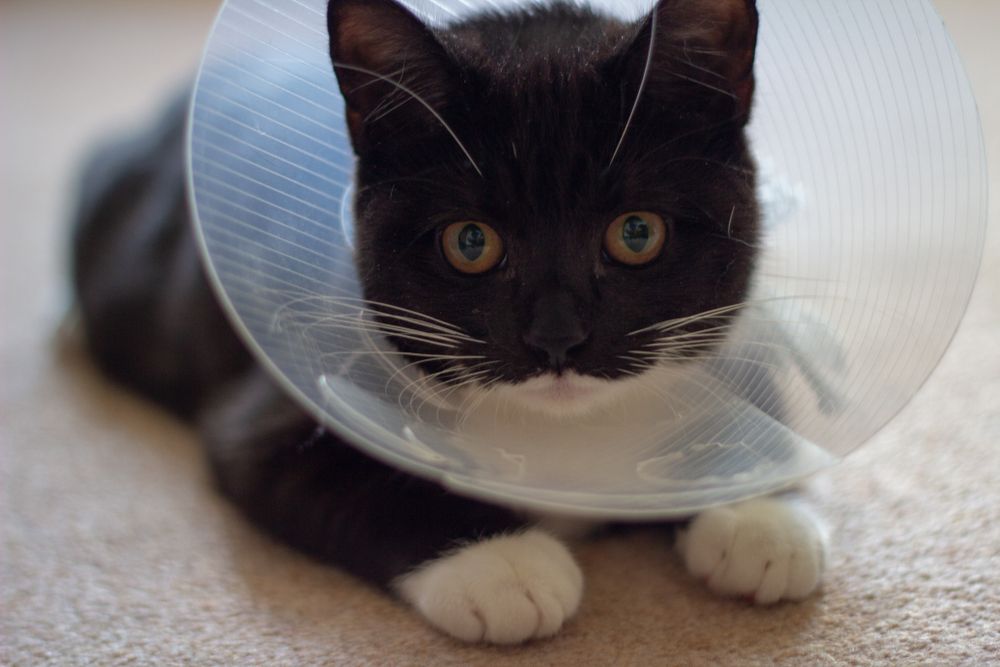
[
  {"x": 443, "y": 394},
  {"x": 701, "y": 83},
  {"x": 419, "y": 99},
  {"x": 465, "y": 380},
  {"x": 356, "y": 323},
  {"x": 688, "y": 348},
  {"x": 426, "y": 383},
  {"x": 642, "y": 87},
  {"x": 375, "y": 306},
  {"x": 681, "y": 321},
  {"x": 723, "y": 330},
  {"x": 400, "y": 333},
  {"x": 669, "y": 357},
  {"x": 466, "y": 409},
  {"x": 727, "y": 310},
  {"x": 337, "y": 320},
  {"x": 730, "y": 237},
  {"x": 426, "y": 356},
  {"x": 430, "y": 325},
  {"x": 416, "y": 386},
  {"x": 690, "y": 63},
  {"x": 634, "y": 360},
  {"x": 429, "y": 359}
]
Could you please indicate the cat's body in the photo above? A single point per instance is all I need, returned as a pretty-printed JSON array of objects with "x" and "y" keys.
[{"x": 541, "y": 127}]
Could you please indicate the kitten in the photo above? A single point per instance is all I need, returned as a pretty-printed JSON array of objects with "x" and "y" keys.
[{"x": 547, "y": 181}]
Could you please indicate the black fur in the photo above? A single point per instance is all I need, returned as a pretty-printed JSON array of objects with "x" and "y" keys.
[{"x": 539, "y": 100}]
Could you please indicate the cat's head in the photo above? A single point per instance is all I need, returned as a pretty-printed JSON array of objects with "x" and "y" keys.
[{"x": 551, "y": 202}]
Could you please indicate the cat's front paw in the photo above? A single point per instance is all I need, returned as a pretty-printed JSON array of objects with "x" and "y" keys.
[
  {"x": 504, "y": 590},
  {"x": 769, "y": 549}
]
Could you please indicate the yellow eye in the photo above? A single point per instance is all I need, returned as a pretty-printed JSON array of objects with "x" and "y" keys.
[
  {"x": 471, "y": 247},
  {"x": 635, "y": 238}
]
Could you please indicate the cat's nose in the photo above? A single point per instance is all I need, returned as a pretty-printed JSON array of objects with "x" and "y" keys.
[
  {"x": 556, "y": 330},
  {"x": 557, "y": 348}
]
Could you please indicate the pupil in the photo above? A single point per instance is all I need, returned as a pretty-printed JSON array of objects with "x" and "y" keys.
[
  {"x": 635, "y": 233},
  {"x": 471, "y": 242}
]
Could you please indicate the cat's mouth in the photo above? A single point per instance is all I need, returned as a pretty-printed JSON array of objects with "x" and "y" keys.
[
  {"x": 565, "y": 394},
  {"x": 564, "y": 388}
]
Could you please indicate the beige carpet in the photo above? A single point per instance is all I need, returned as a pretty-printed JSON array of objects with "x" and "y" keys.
[{"x": 116, "y": 551}]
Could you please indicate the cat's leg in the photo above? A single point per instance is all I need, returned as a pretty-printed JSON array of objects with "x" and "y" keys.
[
  {"x": 475, "y": 571},
  {"x": 767, "y": 549}
]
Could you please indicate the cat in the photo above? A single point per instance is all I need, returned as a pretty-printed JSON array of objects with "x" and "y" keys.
[{"x": 545, "y": 180}]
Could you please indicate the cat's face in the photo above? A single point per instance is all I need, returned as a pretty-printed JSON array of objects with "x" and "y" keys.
[{"x": 547, "y": 233}]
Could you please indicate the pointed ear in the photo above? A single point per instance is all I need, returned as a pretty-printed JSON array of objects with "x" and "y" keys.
[
  {"x": 385, "y": 58},
  {"x": 711, "y": 42}
]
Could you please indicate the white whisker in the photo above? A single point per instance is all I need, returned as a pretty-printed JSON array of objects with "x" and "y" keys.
[
  {"x": 642, "y": 87},
  {"x": 727, "y": 311},
  {"x": 371, "y": 305},
  {"x": 419, "y": 99}
]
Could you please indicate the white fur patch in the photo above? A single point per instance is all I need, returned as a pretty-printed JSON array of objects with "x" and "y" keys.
[
  {"x": 769, "y": 548},
  {"x": 503, "y": 590},
  {"x": 565, "y": 396}
]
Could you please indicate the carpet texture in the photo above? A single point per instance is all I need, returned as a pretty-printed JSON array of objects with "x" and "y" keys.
[{"x": 115, "y": 550}]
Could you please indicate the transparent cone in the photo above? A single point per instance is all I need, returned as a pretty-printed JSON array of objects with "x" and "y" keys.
[{"x": 873, "y": 183}]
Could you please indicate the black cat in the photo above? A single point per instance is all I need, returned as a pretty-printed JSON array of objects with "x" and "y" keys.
[{"x": 548, "y": 182}]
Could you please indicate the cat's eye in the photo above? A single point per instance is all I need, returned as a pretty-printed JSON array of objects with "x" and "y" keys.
[
  {"x": 471, "y": 247},
  {"x": 635, "y": 238}
]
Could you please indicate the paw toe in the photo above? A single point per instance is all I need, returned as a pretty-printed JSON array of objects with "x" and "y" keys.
[
  {"x": 767, "y": 550},
  {"x": 510, "y": 617},
  {"x": 551, "y": 612},
  {"x": 707, "y": 542},
  {"x": 773, "y": 583},
  {"x": 804, "y": 573},
  {"x": 451, "y": 611}
]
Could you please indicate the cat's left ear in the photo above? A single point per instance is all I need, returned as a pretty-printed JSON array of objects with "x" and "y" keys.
[
  {"x": 384, "y": 58},
  {"x": 706, "y": 42}
]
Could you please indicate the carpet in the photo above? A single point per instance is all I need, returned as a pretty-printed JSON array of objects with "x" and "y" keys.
[{"x": 116, "y": 550}]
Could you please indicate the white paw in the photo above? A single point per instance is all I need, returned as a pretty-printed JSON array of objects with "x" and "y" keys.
[
  {"x": 503, "y": 590},
  {"x": 769, "y": 549}
]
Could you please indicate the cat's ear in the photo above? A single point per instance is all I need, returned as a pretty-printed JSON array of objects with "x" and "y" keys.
[
  {"x": 384, "y": 58},
  {"x": 707, "y": 42}
]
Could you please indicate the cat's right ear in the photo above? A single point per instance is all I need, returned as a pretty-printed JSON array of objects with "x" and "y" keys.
[
  {"x": 385, "y": 59},
  {"x": 707, "y": 43}
]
